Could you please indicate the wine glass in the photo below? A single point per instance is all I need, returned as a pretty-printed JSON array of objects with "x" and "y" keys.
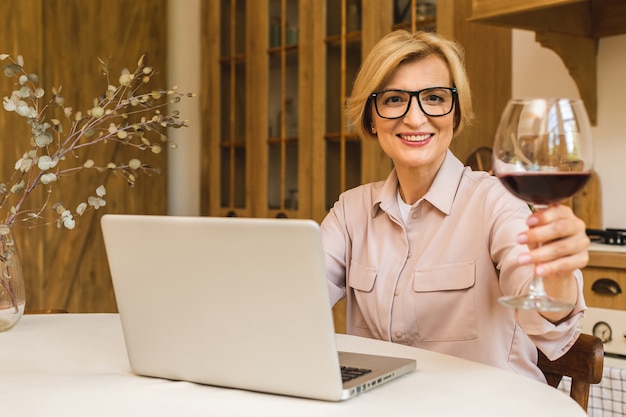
[{"x": 543, "y": 154}]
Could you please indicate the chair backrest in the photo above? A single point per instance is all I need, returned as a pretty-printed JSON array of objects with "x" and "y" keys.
[
  {"x": 584, "y": 363},
  {"x": 479, "y": 159}
]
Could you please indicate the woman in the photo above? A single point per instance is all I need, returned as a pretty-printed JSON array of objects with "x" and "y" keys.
[{"x": 423, "y": 256}]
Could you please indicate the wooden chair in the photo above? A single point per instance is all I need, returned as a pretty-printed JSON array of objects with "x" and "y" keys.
[
  {"x": 584, "y": 363},
  {"x": 480, "y": 159}
]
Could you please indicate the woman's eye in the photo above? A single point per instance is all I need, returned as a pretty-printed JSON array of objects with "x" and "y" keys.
[
  {"x": 394, "y": 100},
  {"x": 433, "y": 98}
]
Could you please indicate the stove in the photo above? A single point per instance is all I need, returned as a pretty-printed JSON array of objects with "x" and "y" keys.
[
  {"x": 608, "y": 236},
  {"x": 610, "y": 326},
  {"x": 606, "y": 399},
  {"x": 607, "y": 240}
]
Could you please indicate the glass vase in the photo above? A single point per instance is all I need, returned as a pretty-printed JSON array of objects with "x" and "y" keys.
[{"x": 12, "y": 294}]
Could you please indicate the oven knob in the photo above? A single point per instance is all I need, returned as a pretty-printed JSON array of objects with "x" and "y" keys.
[{"x": 603, "y": 331}]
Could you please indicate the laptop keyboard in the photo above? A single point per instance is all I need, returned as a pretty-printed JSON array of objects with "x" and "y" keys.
[{"x": 349, "y": 373}]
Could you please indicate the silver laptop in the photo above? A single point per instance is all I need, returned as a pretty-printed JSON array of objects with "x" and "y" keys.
[{"x": 233, "y": 302}]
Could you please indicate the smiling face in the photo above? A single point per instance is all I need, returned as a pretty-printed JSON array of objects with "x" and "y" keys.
[{"x": 416, "y": 141}]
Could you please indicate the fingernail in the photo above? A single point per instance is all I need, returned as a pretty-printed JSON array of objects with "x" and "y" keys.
[
  {"x": 524, "y": 259},
  {"x": 539, "y": 271},
  {"x": 532, "y": 221},
  {"x": 522, "y": 238}
]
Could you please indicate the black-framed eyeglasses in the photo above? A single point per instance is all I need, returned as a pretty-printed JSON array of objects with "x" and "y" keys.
[{"x": 433, "y": 101}]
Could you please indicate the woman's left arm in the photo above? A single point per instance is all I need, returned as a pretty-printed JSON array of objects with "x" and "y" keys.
[{"x": 558, "y": 246}]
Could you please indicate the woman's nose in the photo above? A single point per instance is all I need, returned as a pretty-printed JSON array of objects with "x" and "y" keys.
[{"x": 415, "y": 115}]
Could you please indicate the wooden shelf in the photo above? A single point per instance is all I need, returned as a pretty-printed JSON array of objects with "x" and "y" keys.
[
  {"x": 571, "y": 28},
  {"x": 274, "y": 50},
  {"x": 336, "y": 137},
  {"x": 278, "y": 141},
  {"x": 240, "y": 58},
  {"x": 593, "y": 19},
  {"x": 427, "y": 25},
  {"x": 354, "y": 36},
  {"x": 229, "y": 144}
]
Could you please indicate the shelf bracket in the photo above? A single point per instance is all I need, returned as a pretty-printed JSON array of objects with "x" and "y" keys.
[{"x": 579, "y": 54}]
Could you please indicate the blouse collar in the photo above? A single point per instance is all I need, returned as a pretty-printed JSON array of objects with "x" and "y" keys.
[{"x": 440, "y": 194}]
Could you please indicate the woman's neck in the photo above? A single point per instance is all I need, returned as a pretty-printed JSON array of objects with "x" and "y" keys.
[
  {"x": 413, "y": 185},
  {"x": 415, "y": 182}
]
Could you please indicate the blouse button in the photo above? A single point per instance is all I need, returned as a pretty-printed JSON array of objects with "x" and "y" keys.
[
  {"x": 399, "y": 334},
  {"x": 414, "y": 215}
]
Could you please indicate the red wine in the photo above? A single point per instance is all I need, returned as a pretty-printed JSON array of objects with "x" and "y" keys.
[{"x": 544, "y": 187}]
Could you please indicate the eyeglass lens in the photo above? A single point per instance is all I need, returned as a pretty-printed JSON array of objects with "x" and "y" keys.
[{"x": 393, "y": 104}]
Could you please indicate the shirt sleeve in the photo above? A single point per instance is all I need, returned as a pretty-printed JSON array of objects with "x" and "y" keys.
[
  {"x": 509, "y": 220},
  {"x": 336, "y": 244},
  {"x": 554, "y": 340}
]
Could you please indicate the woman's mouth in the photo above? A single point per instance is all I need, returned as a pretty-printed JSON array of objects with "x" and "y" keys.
[{"x": 416, "y": 138}]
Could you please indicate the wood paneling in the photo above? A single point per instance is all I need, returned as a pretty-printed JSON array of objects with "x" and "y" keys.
[
  {"x": 61, "y": 40},
  {"x": 488, "y": 64}
]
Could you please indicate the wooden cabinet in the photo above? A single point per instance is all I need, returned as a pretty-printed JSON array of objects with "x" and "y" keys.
[
  {"x": 266, "y": 61},
  {"x": 588, "y": 18},
  {"x": 605, "y": 280},
  {"x": 278, "y": 73},
  {"x": 569, "y": 27}
]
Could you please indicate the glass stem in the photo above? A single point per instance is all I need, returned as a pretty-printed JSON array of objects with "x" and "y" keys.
[{"x": 536, "y": 285}]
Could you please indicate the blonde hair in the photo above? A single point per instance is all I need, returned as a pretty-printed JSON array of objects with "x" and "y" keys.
[{"x": 388, "y": 54}]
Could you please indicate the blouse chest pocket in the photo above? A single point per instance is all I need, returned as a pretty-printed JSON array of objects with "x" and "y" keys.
[
  {"x": 362, "y": 279},
  {"x": 444, "y": 297}
]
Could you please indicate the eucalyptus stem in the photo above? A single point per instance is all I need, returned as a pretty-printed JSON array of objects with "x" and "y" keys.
[{"x": 121, "y": 115}]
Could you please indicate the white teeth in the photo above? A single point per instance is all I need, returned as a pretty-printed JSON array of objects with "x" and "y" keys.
[{"x": 415, "y": 138}]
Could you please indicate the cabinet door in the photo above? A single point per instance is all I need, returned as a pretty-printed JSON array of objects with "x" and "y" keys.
[
  {"x": 254, "y": 105},
  {"x": 283, "y": 143},
  {"x": 226, "y": 104},
  {"x": 415, "y": 15},
  {"x": 343, "y": 46}
]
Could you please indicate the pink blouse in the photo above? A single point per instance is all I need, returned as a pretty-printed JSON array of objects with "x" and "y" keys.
[{"x": 434, "y": 282}]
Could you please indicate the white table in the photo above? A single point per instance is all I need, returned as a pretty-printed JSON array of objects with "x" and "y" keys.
[{"x": 75, "y": 365}]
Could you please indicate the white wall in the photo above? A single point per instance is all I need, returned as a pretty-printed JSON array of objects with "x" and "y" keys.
[
  {"x": 539, "y": 72},
  {"x": 183, "y": 70}
]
